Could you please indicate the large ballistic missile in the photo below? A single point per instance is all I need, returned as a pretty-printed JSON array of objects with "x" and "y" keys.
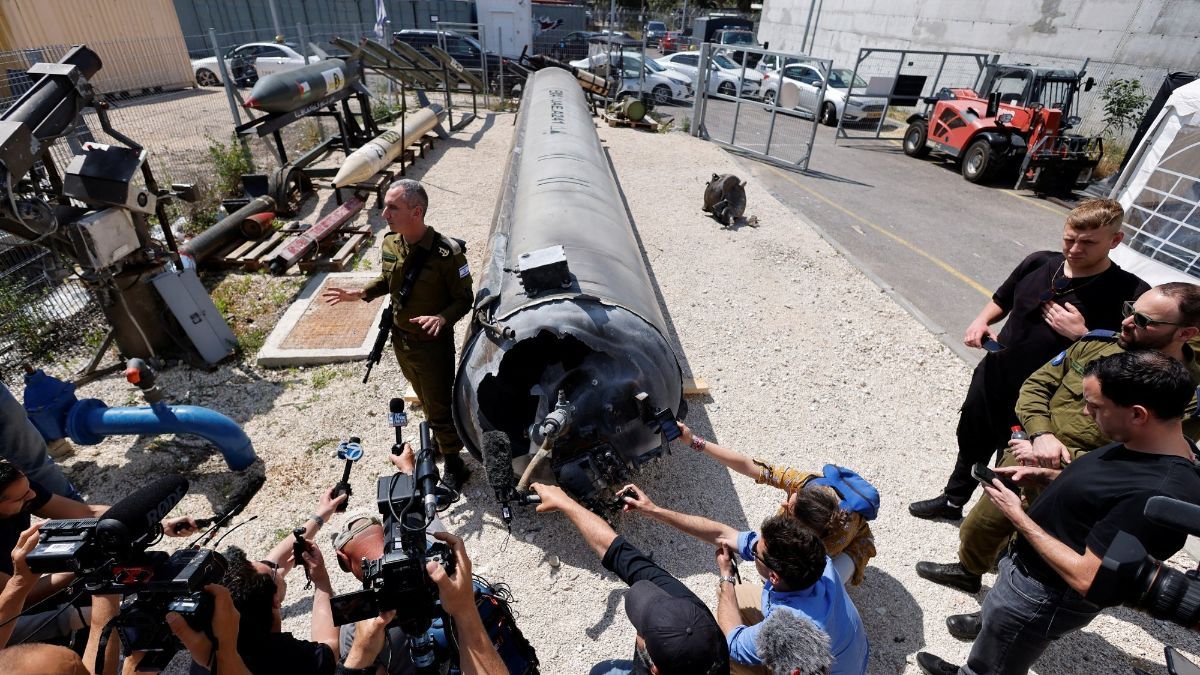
[
  {"x": 565, "y": 308},
  {"x": 377, "y": 153},
  {"x": 291, "y": 89}
]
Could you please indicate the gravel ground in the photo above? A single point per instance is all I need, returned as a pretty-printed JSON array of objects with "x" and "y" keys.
[{"x": 808, "y": 363}]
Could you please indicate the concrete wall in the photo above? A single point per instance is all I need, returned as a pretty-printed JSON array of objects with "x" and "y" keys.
[{"x": 1161, "y": 34}]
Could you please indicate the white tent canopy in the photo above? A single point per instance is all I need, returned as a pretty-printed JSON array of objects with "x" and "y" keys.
[{"x": 1160, "y": 191}]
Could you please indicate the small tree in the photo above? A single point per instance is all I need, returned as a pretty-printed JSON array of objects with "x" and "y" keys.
[{"x": 1124, "y": 105}]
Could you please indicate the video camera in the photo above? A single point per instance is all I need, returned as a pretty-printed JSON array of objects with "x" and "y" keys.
[
  {"x": 1128, "y": 575},
  {"x": 398, "y": 580}
]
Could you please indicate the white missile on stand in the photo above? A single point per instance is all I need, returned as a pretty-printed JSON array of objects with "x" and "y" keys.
[{"x": 377, "y": 153}]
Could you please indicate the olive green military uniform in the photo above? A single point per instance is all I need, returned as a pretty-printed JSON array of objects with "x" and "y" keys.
[
  {"x": 443, "y": 288},
  {"x": 1051, "y": 401}
]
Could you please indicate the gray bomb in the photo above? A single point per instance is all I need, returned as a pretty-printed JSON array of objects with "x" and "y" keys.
[
  {"x": 292, "y": 89},
  {"x": 377, "y": 153},
  {"x": 567, "y": 348}
]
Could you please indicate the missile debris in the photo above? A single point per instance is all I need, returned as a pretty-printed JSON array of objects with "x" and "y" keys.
[
  {"x": 292, "y": 250},
  {"x": 209, "y": 241},
  {"x": 380, "y": 151}
]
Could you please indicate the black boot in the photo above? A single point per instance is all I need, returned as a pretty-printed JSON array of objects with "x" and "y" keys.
[
  {"x": 950, "y": 574},
  {"x": 938, "y": 507},
  {"x": 934, "y": 665},
  {"x": 965, "y": 626},
  {"x": 455, "y": 473}
]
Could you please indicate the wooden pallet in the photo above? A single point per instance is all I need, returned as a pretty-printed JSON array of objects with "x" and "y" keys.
[
  {"x": 356, "y": 240},
  {"x": 614, "y": 121},
  {"x": 248, "y": 253},
  {"x": 334, "y": 255}
]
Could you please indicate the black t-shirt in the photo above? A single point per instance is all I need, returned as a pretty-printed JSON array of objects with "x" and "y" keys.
[
  {"x": 11, "y": 528},
  {"x": 1028, "y": 340},
  {"x": 394, "y": 656},
  {"x": 281, "y": 653},
  {"x": 631, "y": 565},
  {"x": 1104, "y": 492}
]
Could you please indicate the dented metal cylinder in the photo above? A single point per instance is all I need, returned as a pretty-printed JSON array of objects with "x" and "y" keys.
[{"x": 566, "y": 304}]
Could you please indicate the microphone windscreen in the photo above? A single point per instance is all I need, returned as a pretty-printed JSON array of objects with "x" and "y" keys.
[
  {"x": 396, "y": 405},
  {"x": 496, "y": 449},
  {"x": 790, "y": 643},
  {"x": 242, "y": 495},
  {"x": 1177, "y": 515},
  {"x": 141, "y": 511}
]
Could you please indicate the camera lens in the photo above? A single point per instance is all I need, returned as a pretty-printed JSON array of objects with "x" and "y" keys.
[{"x": 1175, "y": 597}]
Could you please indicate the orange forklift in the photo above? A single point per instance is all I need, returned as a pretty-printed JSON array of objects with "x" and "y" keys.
[{"x": 1019, "y": 120}]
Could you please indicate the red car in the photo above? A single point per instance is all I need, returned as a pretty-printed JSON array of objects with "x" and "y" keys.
[{"x": 673, "y": 41}]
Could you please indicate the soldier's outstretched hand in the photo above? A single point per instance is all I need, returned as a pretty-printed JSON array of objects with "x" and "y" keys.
[{"x": 334, "y": 295}]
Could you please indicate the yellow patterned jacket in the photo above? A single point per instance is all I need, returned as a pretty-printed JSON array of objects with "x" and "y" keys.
[{"x": 855, "y": 540}]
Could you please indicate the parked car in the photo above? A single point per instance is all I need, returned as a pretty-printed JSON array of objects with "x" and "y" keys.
[
  {"x": 467, "y": 51},
  {"x": 807, "y": 79},
  {"x": 246, "y": 63},
  {"x": 655, "y": 30},
  {"x": 662, "y": 84},
  {"x": 673, "y": 41},
  {"x": 574, "y": 45},
  {"x": 725, "y": 73},
  {"x": 771, "y": 62}
]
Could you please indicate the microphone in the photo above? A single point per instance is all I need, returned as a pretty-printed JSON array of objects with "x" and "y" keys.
[
  {"x": 1177, "y": 515},
  {"x": 426, "y": 473},
  {"x": 496, "y": 449},
  {"x": 398, "y": 419},
  {"x": 788, "y": 640},
  {"x": 136, "y": 518}
]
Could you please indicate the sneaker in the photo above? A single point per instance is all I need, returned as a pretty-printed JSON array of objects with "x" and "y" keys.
[
  {"x": 455, "y": 473},
  {"x": 934, "y": 665},
  {"x": 965, "y": 626},
  {"x": 950, "y": 574},
  {"x": 938, "y": 507}
]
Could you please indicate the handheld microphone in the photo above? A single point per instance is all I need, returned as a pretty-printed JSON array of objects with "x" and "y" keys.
[
  {"x": 398, "y": 419},
  {"x": 496, "y": 449},
  {"x": 1173, "y": 513},
  {"x": 789, "y": 640},
  {"x": 240, "y": 498},
  {"x": 136, "y": 518},
  {"x": 426, "y": 473},
  {"x": 351, "y": 451}
]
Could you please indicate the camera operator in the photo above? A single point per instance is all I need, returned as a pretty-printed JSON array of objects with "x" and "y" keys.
[
  {"x": 21, "y": 498},
  {"x": 1138, "y": 400},
  {"x": 476, "y": 653},
  {"x": 676, "y": 632}
]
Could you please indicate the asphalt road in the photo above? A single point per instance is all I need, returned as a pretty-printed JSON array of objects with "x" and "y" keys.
[{"x": 936, "y": 242}]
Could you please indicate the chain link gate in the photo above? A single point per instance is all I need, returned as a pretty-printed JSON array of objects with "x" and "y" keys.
[{"x": 747, "y": 102}]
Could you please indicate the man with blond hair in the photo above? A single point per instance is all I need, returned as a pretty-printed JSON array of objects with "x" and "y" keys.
[{"x": 1049, "y": 301}]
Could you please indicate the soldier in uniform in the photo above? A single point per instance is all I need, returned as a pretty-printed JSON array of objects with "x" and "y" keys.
[
  {"x": 1165, "y": 318},
  {"x": 438, "y": 295}
]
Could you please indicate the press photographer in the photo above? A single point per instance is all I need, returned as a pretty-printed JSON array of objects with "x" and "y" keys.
[
  {"x": 1138, "y": 400},
  {"x": 423, "y": 579}
]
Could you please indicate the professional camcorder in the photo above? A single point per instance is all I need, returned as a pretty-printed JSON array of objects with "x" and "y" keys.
[
  {"x": 1129, "y": 576},
  {"x": 398, "y": 580}
]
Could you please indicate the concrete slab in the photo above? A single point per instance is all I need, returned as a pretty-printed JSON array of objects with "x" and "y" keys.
[{"x": 312, "y": 332}]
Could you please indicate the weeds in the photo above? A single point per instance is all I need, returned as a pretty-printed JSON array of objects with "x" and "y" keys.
[
  {"x": 230, "y": 162},
  {"x": 321, "y": 377},
  {"x": 685, "y": 125},
  {"x": 319, "y": 445},
  {"x": 310, "y": 135}
]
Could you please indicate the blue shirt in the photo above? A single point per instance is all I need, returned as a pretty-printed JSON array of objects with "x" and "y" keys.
[{"x": 825, "y": 603}]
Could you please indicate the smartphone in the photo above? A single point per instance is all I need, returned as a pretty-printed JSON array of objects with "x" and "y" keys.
[
  {"x": 667, "y": 425},
  {"x": 992, "y": 346},
  {"x": 985, "y": 475}
]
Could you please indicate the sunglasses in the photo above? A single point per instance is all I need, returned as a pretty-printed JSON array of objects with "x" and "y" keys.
[
  {"x": 762, "y": 558},
  {"x": 1141, "y": 320},
  {"x": 1057, "y": 286},
  {"x": 272, "y": 565}
]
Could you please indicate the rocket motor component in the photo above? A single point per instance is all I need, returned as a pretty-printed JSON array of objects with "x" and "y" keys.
[
  {"x": 292, "y": 89},
  {"x": 632, "y": 109},
  {"x": 211, "y": 240},
  {"x": 380, "y": 151},
  {"x": 565, "y": 307},
  {"x": 725, "y": 198},
  {"x": 589, "y": 82},
  {"x": 291, "y": 251}
]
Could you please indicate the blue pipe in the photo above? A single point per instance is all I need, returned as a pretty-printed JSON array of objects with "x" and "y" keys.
[{"x": 90, "y": 420}]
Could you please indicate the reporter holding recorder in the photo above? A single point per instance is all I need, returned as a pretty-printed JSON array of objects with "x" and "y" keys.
[{"x": 1138, "y": 400}]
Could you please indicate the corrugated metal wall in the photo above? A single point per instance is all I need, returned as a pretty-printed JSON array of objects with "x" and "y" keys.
[
  {"x": 138, "y": 40},
  {"x": 318, "y": 16}
]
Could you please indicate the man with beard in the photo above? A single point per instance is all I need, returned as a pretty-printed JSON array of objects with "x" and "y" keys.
[{"x": 1050, "y": 408}]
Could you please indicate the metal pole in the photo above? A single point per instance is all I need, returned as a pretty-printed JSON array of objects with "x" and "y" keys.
[
  {"x": 303, "y": 42},
  {"x": 812, "y": 138},
  {"x": 683, "y": 17},
  {"x": 816, "y": 20},
  {"x": 698, "y": 107},
  {"x": 275, "y": 17},
  {"x": 804, "y": 40},
  {"x": 233, "y": 107},
  {"x": 500, "y": 53}
]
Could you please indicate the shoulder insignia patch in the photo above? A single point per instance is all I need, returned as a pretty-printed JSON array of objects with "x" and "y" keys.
[
  {"x": 1099, "y": 334},
  {"x": 444, "y": 251},
  {"x": 456, "y": 246},
  {"x": 1057, "y": 361},
  {"x": 390, "y": 257}
]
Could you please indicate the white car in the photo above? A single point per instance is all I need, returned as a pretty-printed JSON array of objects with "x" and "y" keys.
[
  {"x": 725, "y": 73},
  {"x": 250, "y": 61},
  {"x": 806, "y": 80},
  {"x": 663, "y": 84}
]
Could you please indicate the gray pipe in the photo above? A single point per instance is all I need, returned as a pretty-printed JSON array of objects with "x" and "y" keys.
[{"x": 209, "y": 241}]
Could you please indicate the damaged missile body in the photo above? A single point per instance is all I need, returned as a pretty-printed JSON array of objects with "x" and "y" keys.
[
  {"x": 567, "y": 352},
  {"x": 376, "y": 154}
]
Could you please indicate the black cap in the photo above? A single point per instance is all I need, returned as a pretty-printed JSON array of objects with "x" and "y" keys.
[{"x": 681, "y": 635}]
